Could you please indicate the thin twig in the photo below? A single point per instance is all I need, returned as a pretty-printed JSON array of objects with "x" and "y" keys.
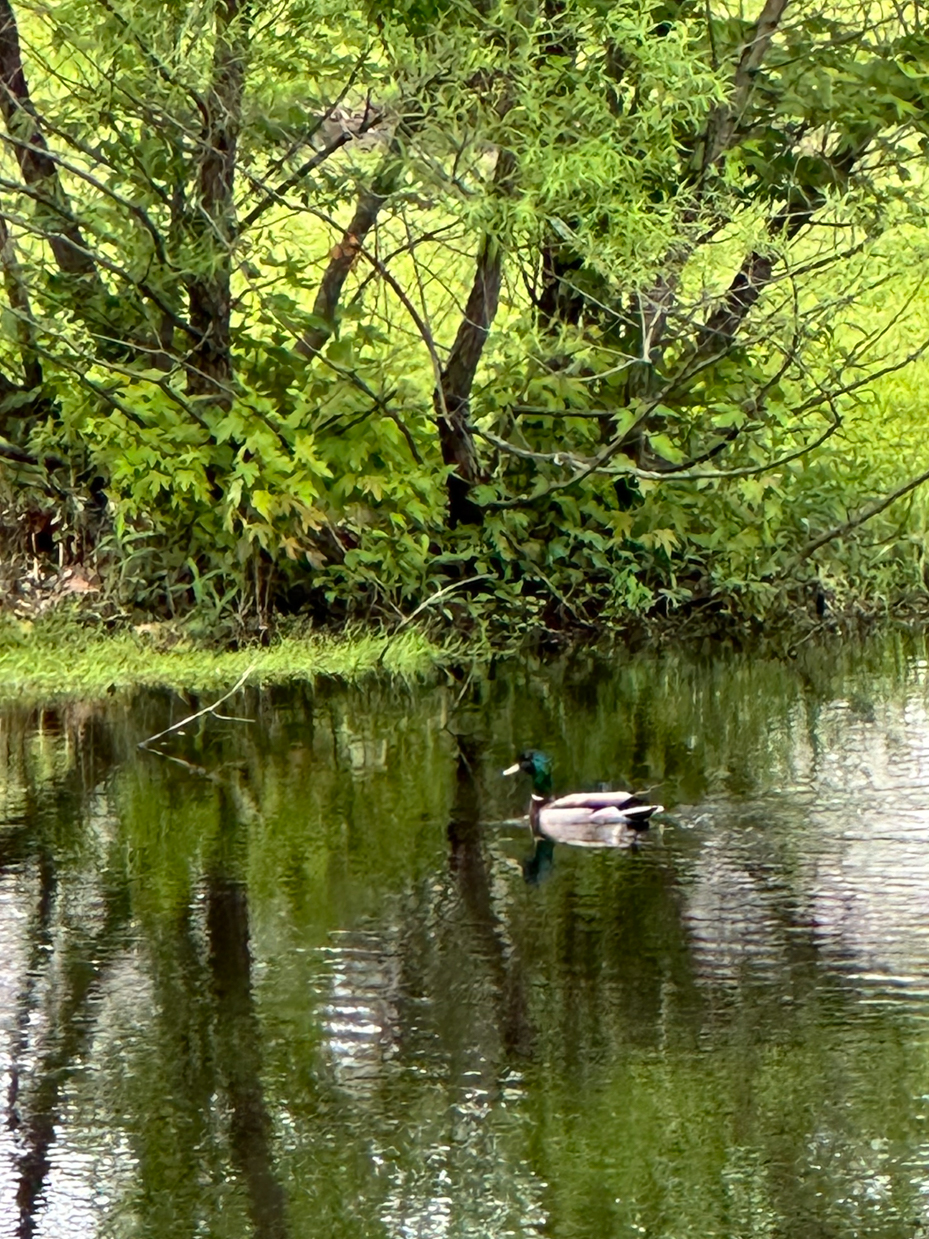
[
  {"x": 187, "y": 765},
  {"x": 568, "y": 460},
  {"x": 441, "y": 593},
  {"x": 433, "y": 598},
  {"x": 372, "y": 116},
  {"x": 211, "y": 709}
]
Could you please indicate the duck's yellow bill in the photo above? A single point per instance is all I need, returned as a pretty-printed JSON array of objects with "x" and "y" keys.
[{"x": 514, "y": 769}]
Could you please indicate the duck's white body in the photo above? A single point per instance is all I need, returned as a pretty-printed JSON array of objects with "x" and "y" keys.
[{"x": 590, "y": 819}]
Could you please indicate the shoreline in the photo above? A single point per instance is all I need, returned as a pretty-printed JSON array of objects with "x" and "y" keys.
[
  {"x": 66, "y": 660},
  {"x": 60, "y": 656}
]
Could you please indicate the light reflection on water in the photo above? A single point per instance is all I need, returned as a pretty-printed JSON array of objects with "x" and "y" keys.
[
  {"x": 359, "y": 1019},
  {"x": 325, "y": 991},
  {"x": 843, "y": 856}
]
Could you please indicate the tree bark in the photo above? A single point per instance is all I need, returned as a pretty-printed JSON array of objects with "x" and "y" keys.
[
  {"x": 560, "y": 302},
  {"x": 18, "y": 296},
  {"x": 343, "y": 254},
  {"x": 25, "y": 401},
  {"x": 38, "y": 169},
  {"x": 452, "y": 397},
  {"x": 210, "y": 365},
  {"x": 723, "y": 125},
  {"x": 718, "y": 333},
  {"x": 655, "y": 305}
]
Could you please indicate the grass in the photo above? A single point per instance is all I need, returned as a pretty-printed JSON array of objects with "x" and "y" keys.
[{"x": 57, "y": 657}]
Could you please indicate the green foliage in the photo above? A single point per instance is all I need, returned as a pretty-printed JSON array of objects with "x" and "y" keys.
[{"x": 645, "y": 435}]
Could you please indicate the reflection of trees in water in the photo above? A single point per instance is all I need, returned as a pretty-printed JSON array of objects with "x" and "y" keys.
[
  {"x": 55, "y": 1021},
  {"x": 436, "y": 1130},
  {"x": 82, "y": 978},
  {"x": 238, "y": 1053},
  {"x": 737, "y": 932},
  {"x": 426, "y": 1028},
  {"x": 833, "y": 870},
  {"x": 47, "y": 776},
  {"x": 697, "y": 988},
  {"x": 814, "y": 896},
  {"x": 468, "y": 864},
  {"x": 869, "y": 872},
  {"x": 360, "y": 1019}
]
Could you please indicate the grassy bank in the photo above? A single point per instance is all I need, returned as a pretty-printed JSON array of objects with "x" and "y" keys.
[{"x": 56, "y": 657}]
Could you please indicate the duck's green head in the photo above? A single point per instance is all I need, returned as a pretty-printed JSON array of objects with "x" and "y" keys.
[{"x": 538, "y": 766}]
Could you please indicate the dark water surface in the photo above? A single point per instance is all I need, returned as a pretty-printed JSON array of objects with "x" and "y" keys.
[{"x": 306, "y": 981}]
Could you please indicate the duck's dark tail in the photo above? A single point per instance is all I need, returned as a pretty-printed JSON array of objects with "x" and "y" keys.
[{"x": 639, "y": 815}]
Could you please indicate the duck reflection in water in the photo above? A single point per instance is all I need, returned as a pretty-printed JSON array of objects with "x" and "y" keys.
[
  {"x": 538, "y": 864},
  {"x": 601, "y": 819}
]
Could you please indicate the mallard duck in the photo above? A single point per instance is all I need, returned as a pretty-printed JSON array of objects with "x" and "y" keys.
[{"x": 583, "y": 819}]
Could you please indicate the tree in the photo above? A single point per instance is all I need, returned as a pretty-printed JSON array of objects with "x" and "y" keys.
[{"x": 556, "y": 298}]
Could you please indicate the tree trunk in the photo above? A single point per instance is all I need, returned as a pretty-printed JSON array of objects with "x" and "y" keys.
[
  {"x": 719, "y": 331},
  {"x": 210, "y": 365},
  {"x": 723, "y": 126},
  {"x": 344, "y": 254},
  {"x": 560, "y": 302},
  {"x": 657, "y": 303},
  {"x": 39, "y": 170},
  {"x": 452, "y": 397},
  {"x": 18, "y": 296}
]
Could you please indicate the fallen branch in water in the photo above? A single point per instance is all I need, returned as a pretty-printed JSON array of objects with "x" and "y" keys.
[{"x": 211, "y": 709}]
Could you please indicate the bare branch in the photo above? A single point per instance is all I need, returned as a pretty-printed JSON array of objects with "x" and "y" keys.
[
  {"x": 724, "y": 125},
  {"x": 655, "y": 305},
  {"x": 210, "y": 709},
  {"x": 144, "y": 287},
  {"x": 840, "y": 531},
  {"x": 371, "y": 117},
  {"x": 425, "y": 332},
  {"x": 589, "y": 466},
  {"x": 18, "y": 298},
  {"x": 209, "y": 293},
  {"x": 327, "y": 115},
  {"x": 132, "y": 208},
  {"x": 452, "y": 396},
  {"x": 345, "y": 253}
]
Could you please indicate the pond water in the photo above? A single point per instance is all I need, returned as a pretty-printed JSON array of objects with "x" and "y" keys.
[{"x": 306, "y": 976}]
